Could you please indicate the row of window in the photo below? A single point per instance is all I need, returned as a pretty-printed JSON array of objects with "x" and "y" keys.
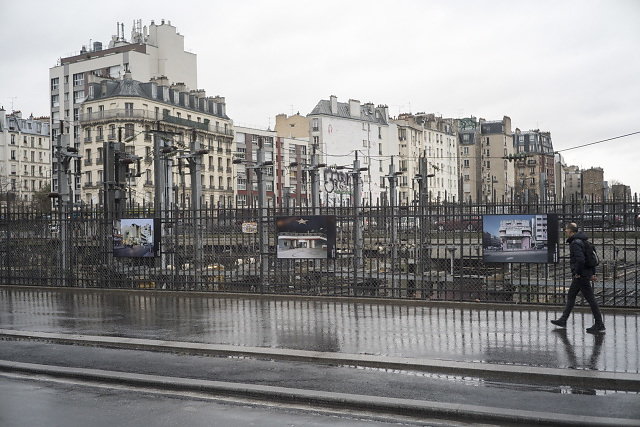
[
  {"x": 78, "y": 80},
  {"x": 25, "y": 140},
  {"x": 41, "y": 157}
]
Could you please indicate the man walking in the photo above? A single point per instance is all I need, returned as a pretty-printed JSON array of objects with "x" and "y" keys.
[{"x": 582, "y": 275}]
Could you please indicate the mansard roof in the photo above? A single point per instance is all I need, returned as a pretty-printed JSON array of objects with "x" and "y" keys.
[{"x": 367, "y": 112}]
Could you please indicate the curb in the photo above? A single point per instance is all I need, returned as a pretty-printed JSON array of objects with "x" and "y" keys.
[
  {"x": 470, "y": 305},
  {"x": 515, "y": 373},
  {"x": 319, "y": 398}
]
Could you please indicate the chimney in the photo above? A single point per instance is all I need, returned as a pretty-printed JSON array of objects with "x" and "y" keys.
[
  {"x": 354, "y": 108},
  {"x": 334, "y": 104}
]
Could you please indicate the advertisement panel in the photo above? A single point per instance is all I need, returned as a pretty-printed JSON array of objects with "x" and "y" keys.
[
  {"x": 529, "y": 238},
  {"x": 136, "y": 237},
  {"x": 312, "y": 237}
]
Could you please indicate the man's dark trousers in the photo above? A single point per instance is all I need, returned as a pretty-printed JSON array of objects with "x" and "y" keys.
[{"x": 582, "y": 284}]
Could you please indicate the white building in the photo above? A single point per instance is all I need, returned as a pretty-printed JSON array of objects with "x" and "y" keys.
[
  {"x": 435, "y": 139},
  {"x": 25, "y": 155},
  {"x": 340, "y": 130},
  {"x": 151, "y": 52}
]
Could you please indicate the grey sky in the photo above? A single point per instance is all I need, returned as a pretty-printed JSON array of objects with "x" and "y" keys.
[{"x": 568, "y": 67}]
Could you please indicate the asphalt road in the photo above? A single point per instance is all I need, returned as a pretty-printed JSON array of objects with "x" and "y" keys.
[
  {"x": 39, "y": 403},
  {"x": 340, "y": 379}
]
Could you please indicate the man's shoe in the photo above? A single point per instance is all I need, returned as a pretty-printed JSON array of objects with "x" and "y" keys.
[
  {"x": 560, "y": 323},
  {"x": 596, "y": 329}
]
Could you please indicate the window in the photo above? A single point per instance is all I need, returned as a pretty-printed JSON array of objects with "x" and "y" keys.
[
  {"x": 54, "y": 83},
  {"x": 315, "y": 125},
  {"x": 13, "y": 154},
  {"x": 55, "y": 100},
  {"x": 78, "y": 96},
  {"x": 13, "y": 139},
  {"x": 128, "y": 130},
  {"x": 78, "y": 79},
  {"x": 364, "y": 143},
  {"x": 128, "y": 109},
  {"x": 465, "y": 151},
  {"x": 465, "y": 137}
]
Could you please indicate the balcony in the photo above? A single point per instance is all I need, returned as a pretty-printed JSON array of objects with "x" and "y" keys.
[
  {"x": 148, "y": 160},
  {"x": 148, "y": 183},
  {"x": 185, "y": 122},
  {"x": 99, "y": 138},
  {"x": 220, "y": 169},
  {"x": 212, "y": 168},
  {"x": 228, "y": 150},
  {"x": 99, "y": 161},
  {"x": 87, "y": 139},
  {"x": 112, "y": 137},
  {"x": 115, "y": 114},
  {"x": 229, "y": 170},
  {"x": 219, "y": 150},
  {"x": 88, "y": 162}
]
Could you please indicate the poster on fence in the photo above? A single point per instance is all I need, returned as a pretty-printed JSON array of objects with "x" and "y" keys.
[
  {"x": 136, "y": 237},
  {"x": 529, "y": 238},
  {"x": 306, "y": 237}
]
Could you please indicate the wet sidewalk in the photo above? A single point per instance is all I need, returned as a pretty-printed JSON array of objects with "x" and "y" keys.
[{"x": 465, "y": 332}]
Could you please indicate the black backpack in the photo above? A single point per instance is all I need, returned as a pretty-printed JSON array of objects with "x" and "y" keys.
[{"x": 591, "y": 258}]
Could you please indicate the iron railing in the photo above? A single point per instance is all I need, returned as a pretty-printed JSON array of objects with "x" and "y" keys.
[{"x": 435, "y": 252}]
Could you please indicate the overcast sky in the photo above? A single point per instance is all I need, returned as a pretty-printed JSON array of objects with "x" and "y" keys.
[{"x": 568, "y": 67}]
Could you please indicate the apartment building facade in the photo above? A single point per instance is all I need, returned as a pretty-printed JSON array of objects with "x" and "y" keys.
[
  {"x": 25, "y": 155},
  {"x": 286, "y": 184},
  {"x": 342, "y": 130},
  {"x": 432, "y": 140},
  {"x": 594, "y": 187},
  {"x": 486, "y": 174},
  {"x": 572, "y": 182},
  {"x": 535, "y": 173},
  {"x": 151, "y": 52},
  {"x": 127, "y": 111}
]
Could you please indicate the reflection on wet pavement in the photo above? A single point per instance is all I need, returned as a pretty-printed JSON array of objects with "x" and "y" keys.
[{"x": 505, "y": 336}]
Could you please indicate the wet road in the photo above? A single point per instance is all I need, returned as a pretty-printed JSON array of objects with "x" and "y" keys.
[
  {"x": 503, "y": 335},
  {"x": 27, "y": 403}
]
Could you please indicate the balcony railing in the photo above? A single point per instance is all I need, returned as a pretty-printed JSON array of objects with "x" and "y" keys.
[
  {"x": 119, "y": 113},
  {"x": 185, "y": 122},
  {"x": 87, "y": 139},
  {"x": 88, "y": 162}
]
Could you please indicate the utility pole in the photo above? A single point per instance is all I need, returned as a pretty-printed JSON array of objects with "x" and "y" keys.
[
  {"x": 264, "y": 219},
  {"x": 64, "y": 155},
  {"x": 315, "y": 182},
  {"x": 163, "y": 183},
  {"x": 392, "y": 177},
  {"x": 358, "y": 241},
  {"x": 194, "y": 160}
]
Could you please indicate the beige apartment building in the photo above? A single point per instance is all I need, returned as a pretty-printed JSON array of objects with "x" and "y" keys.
[
  {"x": 487, "y": 176},
  {"x": 434, "y": 139},
  {"x": 152, "y": 51},
  {"x": 25, "y": 155},
  {"x": 593, "y": 185},
  {"x": 129, "y": 110}
]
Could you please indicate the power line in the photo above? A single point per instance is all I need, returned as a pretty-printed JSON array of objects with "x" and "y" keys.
[{"x": 597, "y": 142}]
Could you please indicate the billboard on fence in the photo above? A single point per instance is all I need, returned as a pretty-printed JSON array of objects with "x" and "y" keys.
[
  {"x": 530, "y": 238},
  {"x": 311, "y": 236},
  {"x": 136, "y": 237}
]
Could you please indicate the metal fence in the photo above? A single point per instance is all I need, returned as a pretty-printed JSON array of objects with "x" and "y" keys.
[{"x": 431, "y": 252}]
